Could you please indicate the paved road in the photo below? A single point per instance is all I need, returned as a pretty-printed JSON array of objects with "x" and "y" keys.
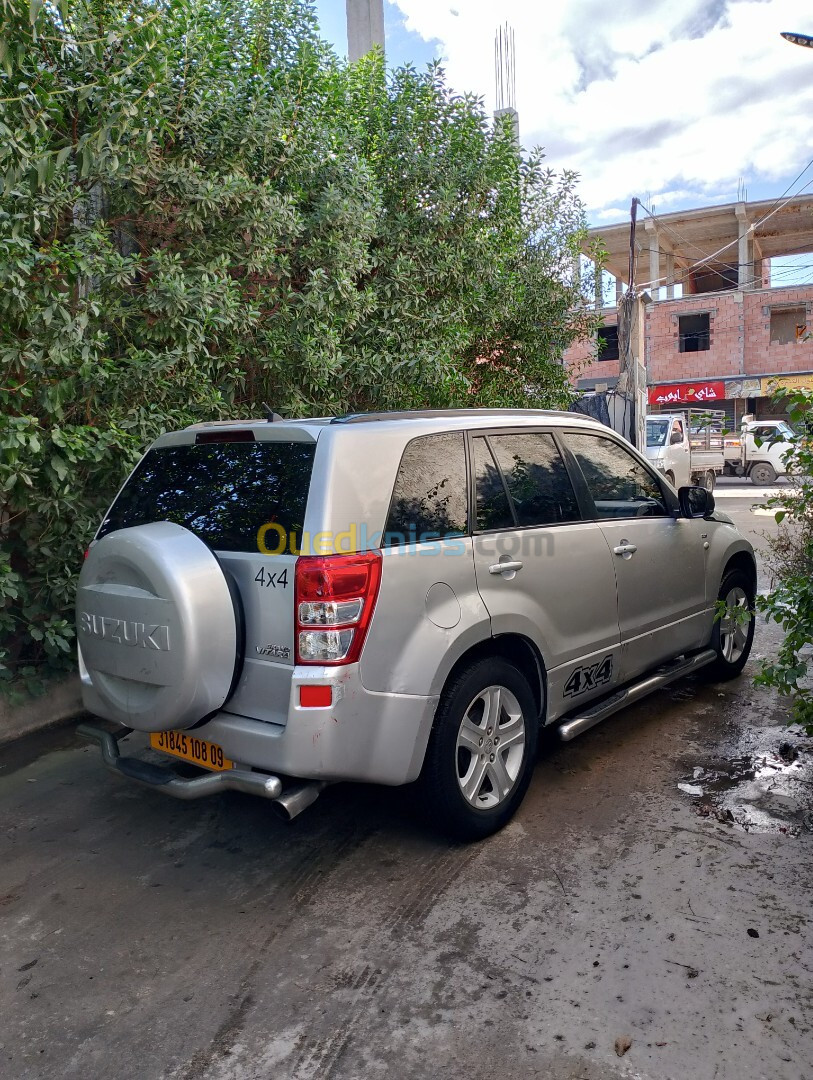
[{"x": 144, "y": 938}]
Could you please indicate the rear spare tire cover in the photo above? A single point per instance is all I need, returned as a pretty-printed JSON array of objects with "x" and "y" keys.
[{"x": 157, "y": 628}]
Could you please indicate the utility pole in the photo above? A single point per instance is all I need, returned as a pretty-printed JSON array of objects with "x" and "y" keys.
[
  {"x": 632, "y": 379},
  {"x": 365, "y": 27}
]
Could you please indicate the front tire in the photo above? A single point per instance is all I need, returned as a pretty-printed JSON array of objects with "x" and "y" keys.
[
  {"x": 762, "y": 474},
  {"x": 482, "y": 750},
  {"x": 732, "y": 637}
]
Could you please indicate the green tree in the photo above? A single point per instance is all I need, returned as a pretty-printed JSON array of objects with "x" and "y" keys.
[
  {"x": 790, "y": 562},
  {"x": 203, "y": 209}
]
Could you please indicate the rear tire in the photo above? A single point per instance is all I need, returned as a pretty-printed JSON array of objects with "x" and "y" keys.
[
  {"x": 731, "y": 638},
  {"x": 708, "y": 481},
  {"x": 482, "y": 750},
  {"x": 762, "y": 474}
]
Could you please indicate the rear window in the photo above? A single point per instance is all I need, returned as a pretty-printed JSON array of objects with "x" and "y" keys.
[
  {"x": 429, "y": 499},
  {"x": 224, "y": 492}
]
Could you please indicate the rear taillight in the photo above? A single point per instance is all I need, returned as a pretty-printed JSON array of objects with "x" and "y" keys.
[{"x": 334, "y": 598}]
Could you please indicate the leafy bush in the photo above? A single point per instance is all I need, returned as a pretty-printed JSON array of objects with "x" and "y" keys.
[
  {"x": 790, "y": 562},
  {"x": 203, "y": 209}
]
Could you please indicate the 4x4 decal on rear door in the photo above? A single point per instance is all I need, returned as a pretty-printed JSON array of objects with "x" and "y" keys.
[{"x": 588, "y": 678}]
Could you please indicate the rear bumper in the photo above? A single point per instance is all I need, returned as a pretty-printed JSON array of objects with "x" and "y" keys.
[
  {"x": 168, "y": 781},
  {"x": 363, "y": 736}
]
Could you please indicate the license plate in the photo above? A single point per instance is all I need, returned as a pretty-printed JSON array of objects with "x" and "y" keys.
[{"x": 183, "y": 745}]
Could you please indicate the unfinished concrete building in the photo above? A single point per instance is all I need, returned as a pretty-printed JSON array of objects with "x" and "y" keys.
[{"x": 720, "y": 329}]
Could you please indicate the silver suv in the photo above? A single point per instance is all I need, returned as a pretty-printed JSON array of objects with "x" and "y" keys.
[{"x": 395, "y": 597}]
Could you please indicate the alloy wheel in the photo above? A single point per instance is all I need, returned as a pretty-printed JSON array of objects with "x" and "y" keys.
[
  {"x": 734, "y": 626},
  {"x": 490, "y": 747}
]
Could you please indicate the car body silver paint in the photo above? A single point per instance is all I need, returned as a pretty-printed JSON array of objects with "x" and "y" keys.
[{"x": 564, "y": 601}]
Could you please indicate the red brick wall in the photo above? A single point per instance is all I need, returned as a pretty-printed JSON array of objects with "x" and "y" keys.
[
  {"x": 762, "y": 357},
  {"x": 740, "y": 339},
  {"x": 724, "y": 357},
  {"x": 581, "y": 362}
]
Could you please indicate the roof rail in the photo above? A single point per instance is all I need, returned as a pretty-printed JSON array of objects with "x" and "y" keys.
[{"x": 437, "y": 414}]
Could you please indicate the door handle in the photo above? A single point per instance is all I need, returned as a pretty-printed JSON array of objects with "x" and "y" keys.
[
  {"x": 625, "y": 550},
  {"x": 504, "y": 567}
]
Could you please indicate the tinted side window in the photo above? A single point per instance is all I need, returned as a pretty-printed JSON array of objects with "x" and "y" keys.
[
  {"x": 619, "y": 484},
  {"x": 223, "y": 493},
  {"x": 429, "y": 498},
  {"x": 537, "y": 480},
  {"x": 493, "y": 509}
]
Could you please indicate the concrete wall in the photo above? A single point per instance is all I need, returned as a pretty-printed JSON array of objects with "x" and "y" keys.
[{"x": 60, "y": 702}]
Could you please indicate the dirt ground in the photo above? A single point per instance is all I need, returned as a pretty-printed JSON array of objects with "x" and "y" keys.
[{"x": 140, "y": 937}]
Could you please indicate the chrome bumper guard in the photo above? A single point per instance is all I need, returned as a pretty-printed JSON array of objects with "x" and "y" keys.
[{"x": 167, "y": 780}]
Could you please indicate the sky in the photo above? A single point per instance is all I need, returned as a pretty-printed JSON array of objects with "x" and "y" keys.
[{"x": 677, "y": 102}]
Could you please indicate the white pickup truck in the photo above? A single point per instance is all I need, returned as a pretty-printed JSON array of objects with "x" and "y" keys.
[
  {"x": 687, "y": 447},
  {"x": 759, "y": 450}
]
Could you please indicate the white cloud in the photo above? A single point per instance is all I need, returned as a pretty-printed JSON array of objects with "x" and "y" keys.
[{"x": 677, "y": 100}]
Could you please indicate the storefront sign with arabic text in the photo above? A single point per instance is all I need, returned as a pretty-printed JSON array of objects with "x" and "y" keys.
[{"x": 698, "y": 393}]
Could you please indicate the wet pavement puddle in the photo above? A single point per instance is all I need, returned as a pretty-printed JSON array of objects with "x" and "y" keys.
[{"x": 763, "y": 784}]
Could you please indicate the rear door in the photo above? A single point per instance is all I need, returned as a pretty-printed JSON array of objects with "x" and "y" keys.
[
  {"x": 542, "y": 571},
  {"x": 659, "y": 559},
  {"x": 245, "y": 498}
]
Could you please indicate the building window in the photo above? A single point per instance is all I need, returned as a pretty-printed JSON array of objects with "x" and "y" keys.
[
  {"x": 788, "y": 325},
  {"x": 694, "y": 332},
  {"x": 607, "y": 338}
]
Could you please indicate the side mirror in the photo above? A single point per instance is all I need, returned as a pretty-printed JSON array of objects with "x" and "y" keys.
[
  {"x": 696, "y": 502},
  {"x": 677, "y": 437}
]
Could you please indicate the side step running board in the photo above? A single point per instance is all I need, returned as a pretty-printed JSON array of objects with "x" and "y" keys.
[{"x": 662, "y": 677}]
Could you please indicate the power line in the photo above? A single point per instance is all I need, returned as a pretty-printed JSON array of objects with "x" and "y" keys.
[
  {"x": 784, "y": 193},
  {"x": 682, "y": 240},
  {"x": 681, "y": 272},
  {"x": 777, "y": 206}
]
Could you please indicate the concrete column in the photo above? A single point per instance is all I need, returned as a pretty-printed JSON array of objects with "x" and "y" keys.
[
  {"x": 577, "y": 273},
  {"x": 670, "y": 277},
  {"x": 513, "y": 116},
  {"x": 745, "y": 250},
  {"x": 619, "y": 290},
  {"x": 654, "y": 266},
  {"x": 745, "y": 269},
  {"x": 365, "y": 27}
]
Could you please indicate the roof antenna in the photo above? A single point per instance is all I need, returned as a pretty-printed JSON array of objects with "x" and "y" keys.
[{"x": 271, "y": 416}]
